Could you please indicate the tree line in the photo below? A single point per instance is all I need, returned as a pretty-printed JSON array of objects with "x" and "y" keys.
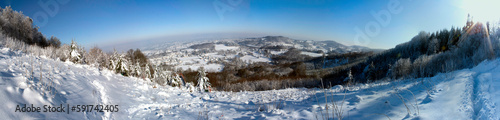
[
  {"x": 16, "y": 25},
  {"x": 427, "y": 54}
]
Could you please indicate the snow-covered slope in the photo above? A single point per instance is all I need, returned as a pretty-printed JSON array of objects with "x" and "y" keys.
[{"x": 25, "y": 79}]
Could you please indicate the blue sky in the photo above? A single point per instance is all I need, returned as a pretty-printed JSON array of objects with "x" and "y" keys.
[{"x": 96, "y": 22}]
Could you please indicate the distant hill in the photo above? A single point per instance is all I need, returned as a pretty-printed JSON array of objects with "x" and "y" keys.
[{"x": 306, "y": 45}]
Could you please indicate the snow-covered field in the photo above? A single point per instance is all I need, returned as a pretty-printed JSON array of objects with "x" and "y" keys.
[
  {"x": 211, "y": 61},
  {"x": 219, "y": 47},
  {"x": 25, "y": 79},
  {"x": 311, "y": 54}
]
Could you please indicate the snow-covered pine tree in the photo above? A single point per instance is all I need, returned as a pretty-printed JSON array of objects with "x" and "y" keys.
[
  {"x": 113, "y": 60},
  {"x": 74, "y": 54},
  {"x": 147, "y": 72},
  {"x": 121, "y": 66},
  {"x": 137, "y": 70},
  {"x": 176, "y": 80},
  {"x": 369, "y": 72},
  {"x": 132, "y": 70},
  {"x": 155, "y": 74},
  {"x": 118, "y": 64},
  {"x": 349, "y": 77},
  {"x": 81, "y": 51},
  {"x": 164, "y": 78},
  {"x": 158, "y": 75},
  {"x": 203, "y": 83},
  {"x": 180, "y": 80}
]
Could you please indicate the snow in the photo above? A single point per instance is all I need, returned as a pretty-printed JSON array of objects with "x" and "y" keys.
[
  {"x": 219, "y": 47},
  {"x": 206, "y": 60},
  {"x": 462, "y": 94},
  {"x": 278, "y": 52},
  {"x": 311, "y": 54},
  {"x": 250, "y": 58},
  {"x": 215, "y": 55},
  {"x": 194, "y": 63}
]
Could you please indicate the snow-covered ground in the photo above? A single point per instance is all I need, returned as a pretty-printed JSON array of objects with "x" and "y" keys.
[
  {"x": 211, "y": 61},
  {"x": 219, "y": 47},
  {"x": 311, "y": 54},
  {"x": 25, "y": 79},
  {"x": 251, "y": 58}
]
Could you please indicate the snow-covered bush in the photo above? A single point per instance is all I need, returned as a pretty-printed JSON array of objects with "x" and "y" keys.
[
  {"x": 419, "y": 66},
  {"x": 96, "y": 57},
  {"x": 63, "y": 52},
  {"x": 190, "y": 87},
  {"x": 271, "y": 84},
  {"x": 14, "y": 44},
  {"x": 401, "y": 68}
]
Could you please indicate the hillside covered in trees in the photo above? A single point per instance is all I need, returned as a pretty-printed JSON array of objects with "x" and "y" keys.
[{"x": 427, "y": 54}]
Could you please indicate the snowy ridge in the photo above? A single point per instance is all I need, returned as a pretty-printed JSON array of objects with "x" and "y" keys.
[{"x": 463, "y": 94}]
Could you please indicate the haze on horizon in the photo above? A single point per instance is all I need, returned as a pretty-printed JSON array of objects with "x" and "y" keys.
[{"x": 384, "y": 24}]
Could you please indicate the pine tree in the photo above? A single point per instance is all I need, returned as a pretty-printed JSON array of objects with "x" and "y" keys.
[
  {"x": 113, "y": 60},
  {"x": 164, "y": 77},
  {"x": 371, "y": 75},
  {"x": 203, "y": 83},
  {"x": 176, "y": 80},
  {"x": 349, "y": 77},
  {"x": 121, "y": 66},
  {"x": 137, "y": 69},
  {"x": 74, "y": 54},
  {"x": 156, "y": 73},
  {"x": 132, "y": 69},
  {"x": 147, "y": 72}
]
